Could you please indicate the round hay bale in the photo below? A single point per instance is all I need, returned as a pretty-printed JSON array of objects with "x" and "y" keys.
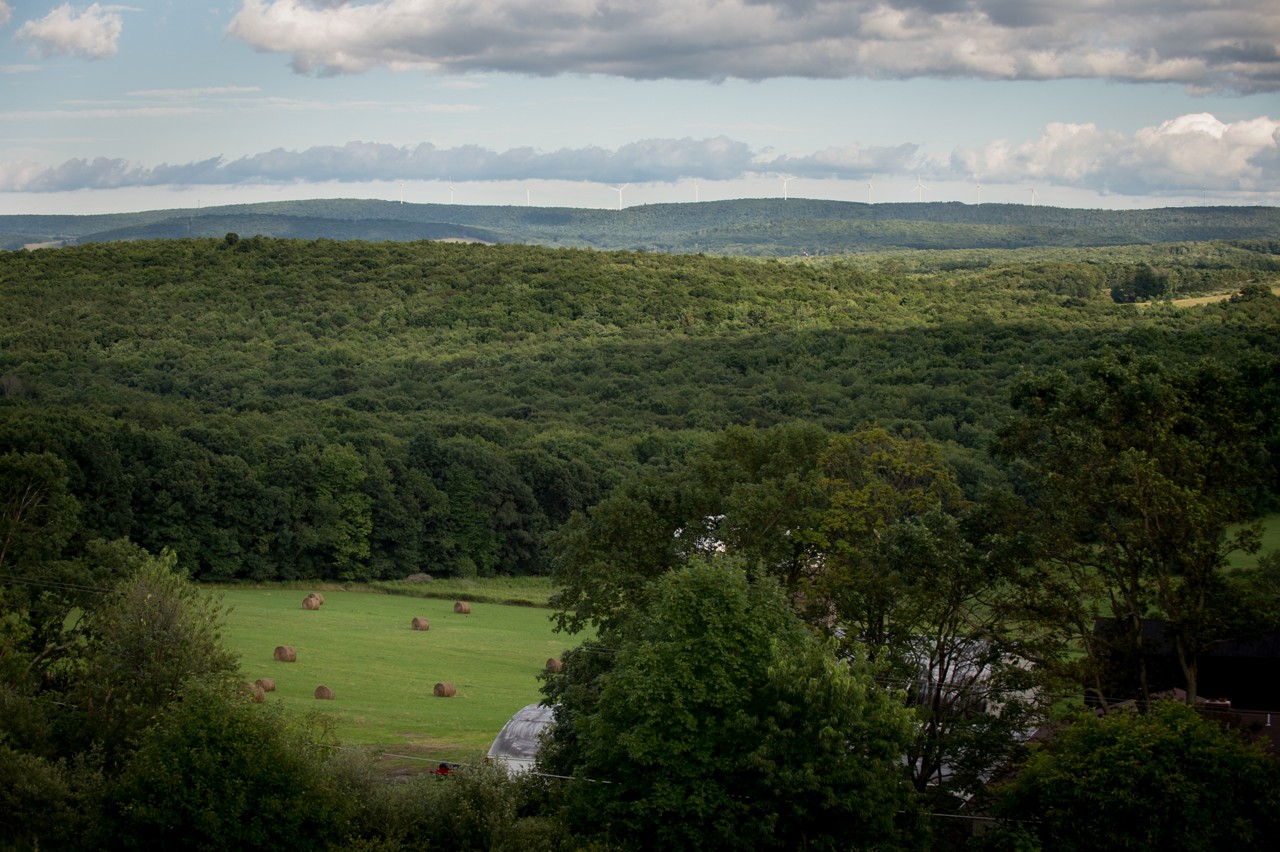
[
  {"x": 255, "y": 691},
  {"x": 267, "y": 684},
  {"x": 554, "y": 665},
  {"x": 311, "y": 602},
  {"x": 420, "y": 623},
  {"x": 418, "y": 578},
  {"x": 286, "y": 654},
  {"x": 445, "y": 690},
  {"x": 462, "y": 608},
  {"x": 324, "y": 693},
  {"x": 319, "y": 597}
]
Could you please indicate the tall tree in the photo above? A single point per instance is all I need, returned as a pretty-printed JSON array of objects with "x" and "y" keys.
[
  {"x": 1136, "y": 474},
  {"x": 724, "y": 724},
  {"x": 921, "y": 582},
  {"x": 154, "y": 633}
]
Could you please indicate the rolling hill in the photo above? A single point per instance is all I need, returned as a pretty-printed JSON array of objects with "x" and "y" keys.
[{"x": 767, "y": 227}]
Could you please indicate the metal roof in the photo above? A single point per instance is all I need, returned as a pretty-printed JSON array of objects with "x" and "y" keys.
[{"x": 518, "y": 741}]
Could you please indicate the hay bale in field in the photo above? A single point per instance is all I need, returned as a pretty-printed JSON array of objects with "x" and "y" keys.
[
  {"x": 318, "y": 597},
  {"x": 267, "y": 684},
  {"x": 420, "y": 623},
  {"x": 311, "y": 602},
  {"x": 254, "y": 690},
  {"x": 418, "y": 578},
  {"x": 286, "y": 654},
  {"x": 445, "y": 690},
  {"x": 462, "y": 608},
  {"x": 324, "y": 693},
  {"x": 554, "y": 665}
]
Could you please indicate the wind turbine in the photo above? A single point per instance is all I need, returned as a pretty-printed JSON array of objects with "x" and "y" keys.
[
  {"x": 785, "y": 181},
  {"x": 978, "y": 185},
  {"x": 695, "y": 192},
  {"x": 450, "y": 190},
  {"x": 618, "y": 189},
  {"x": 401, "y": 192},
  {"x": 528, "y": 197},
  {"x": 870, "y": 188},
  {"x": 1035, "y": 196},
  {"x": 920, "y": 188}
]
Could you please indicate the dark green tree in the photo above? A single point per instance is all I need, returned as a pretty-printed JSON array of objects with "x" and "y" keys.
[
  {"x": 216, "y": 772},
  {"x": 152, "y": 636},
  {"x": 1136, "y": 475},
  {"x": 1169, "y": 779},
  {"x": 724, "y": 724}
]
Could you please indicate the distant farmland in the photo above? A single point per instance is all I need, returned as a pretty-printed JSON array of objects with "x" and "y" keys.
[{"x": 382, "y": 672}]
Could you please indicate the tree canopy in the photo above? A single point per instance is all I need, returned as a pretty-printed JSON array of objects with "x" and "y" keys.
[{"x": 722, "y": 723}]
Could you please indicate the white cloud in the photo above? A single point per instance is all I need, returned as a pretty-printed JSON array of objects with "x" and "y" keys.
[
  {"x": 5, "y": 12},
  {"x": 93, "y": 33},
  {"x": 1190, "y": 153},
  {"x": 649, "y": 160},
  {"x": 1204, "y": 44},
  {"x": 1187, "y": 153}
]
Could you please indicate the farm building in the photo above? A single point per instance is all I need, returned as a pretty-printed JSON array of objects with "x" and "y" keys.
[{"x": 516, "y": 746}]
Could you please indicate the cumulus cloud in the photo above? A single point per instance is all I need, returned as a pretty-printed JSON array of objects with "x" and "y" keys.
[
  {"x": 5, "y": 12},
  {"x": 1190, "y": 152},
  {"x": 1203, "y": 44},
  {"x": 93, "y": 33}
]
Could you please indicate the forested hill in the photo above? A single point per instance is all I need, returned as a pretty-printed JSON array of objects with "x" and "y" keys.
[
  {"x": 314, "y": 408},
  {"x": 768, "y": 227}
]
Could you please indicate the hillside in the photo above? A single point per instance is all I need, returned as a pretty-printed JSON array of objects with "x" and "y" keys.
[
  {"x": 768, "y": 227},
  {"x": 278, "y": 409}
]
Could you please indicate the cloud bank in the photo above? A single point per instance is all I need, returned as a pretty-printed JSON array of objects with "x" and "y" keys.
[
  {"x": 1222, "y": 45},
  {"x": 1190, "y": 153},
  {"x": 93, "y": 33}
]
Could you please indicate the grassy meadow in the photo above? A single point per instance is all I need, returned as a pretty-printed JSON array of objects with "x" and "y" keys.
[
  {"x": 1270, "y": 542},
  {"x": 360, "y": 644}
]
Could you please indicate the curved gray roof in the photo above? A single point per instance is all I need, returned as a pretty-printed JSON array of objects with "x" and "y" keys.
[{"x": 518, "y": 740}]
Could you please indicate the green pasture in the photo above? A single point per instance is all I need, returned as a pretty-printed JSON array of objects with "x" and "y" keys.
[
  {"x": 360, "y": 644},
  {"x": 1270, "y": 543}
]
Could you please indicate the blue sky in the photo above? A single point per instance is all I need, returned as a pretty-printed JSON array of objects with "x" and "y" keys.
[{"x": 585, "y": 103}]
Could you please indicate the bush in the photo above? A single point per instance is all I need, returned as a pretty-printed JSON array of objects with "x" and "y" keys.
[
  {"x": 1167, "y": 779},
  {"x": 219, "y": 772}
]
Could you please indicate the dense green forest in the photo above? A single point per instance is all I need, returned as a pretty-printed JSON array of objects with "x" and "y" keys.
[
  {"x": 832, "y": 532},
  {"x": 275, "y": 409},
  {"x": 765, "y": 226}
]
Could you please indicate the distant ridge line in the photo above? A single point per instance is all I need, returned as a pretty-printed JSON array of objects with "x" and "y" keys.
[{"x": 763, "y": 226}]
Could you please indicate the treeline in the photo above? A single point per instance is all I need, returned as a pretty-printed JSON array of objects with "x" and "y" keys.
[{"x": 287, "y": 409}]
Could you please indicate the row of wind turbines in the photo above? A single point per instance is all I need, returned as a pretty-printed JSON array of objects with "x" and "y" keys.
[{"x": 919, "y": 190}]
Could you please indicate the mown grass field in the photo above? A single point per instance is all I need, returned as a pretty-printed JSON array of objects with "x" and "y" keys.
[
  {"x": 360, "y": 644},
  {"x": 1270, "y": 542}
]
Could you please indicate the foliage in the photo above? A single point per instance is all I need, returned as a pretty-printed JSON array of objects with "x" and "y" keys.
[
  {"x": 217, "y": 772},
  {"x": 1137, "y": 473},
  {"x": 1168, "y": 779},
  {"x": 473, "y": 808},
  {"x": 748, "y": 492},
  {"x": 281, "y": 409},
  {"x": 153, "y": 637},
  {"x": 718, "y": 701}
]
